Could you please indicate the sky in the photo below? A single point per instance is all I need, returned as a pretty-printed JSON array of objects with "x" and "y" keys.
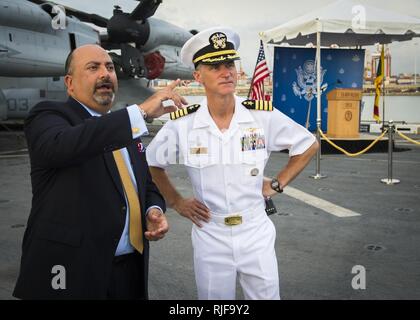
[{"x": 249, "y": 18}]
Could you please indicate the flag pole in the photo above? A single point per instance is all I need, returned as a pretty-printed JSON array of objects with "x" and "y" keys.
[
  {"x": 263, "y": 88},
  {"x": 383, "y": 88}
]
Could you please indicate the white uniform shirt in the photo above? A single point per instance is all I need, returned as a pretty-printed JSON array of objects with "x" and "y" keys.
[{"x": 226, "y": 168}]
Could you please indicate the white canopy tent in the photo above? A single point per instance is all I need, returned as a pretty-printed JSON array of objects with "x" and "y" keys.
[{"x": 344, "y": 23}]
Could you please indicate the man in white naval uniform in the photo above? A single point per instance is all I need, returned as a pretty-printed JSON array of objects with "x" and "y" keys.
[{"x": 225, "y": 142}]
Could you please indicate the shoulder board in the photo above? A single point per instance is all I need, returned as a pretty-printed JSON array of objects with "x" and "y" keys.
[
  {"x": 184, "y": 111},
  {"x": 258, "y": 105}
]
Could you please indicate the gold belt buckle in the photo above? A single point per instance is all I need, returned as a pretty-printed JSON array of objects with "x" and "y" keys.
[{"x": 233, "y": 220}]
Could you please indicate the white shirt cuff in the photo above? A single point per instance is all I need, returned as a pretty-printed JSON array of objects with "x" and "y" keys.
[
  {"x": 157, "y": 207},
  {"x": 138, "y": 125}
]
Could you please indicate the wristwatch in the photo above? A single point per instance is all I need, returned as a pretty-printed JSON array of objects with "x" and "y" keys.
[{"x": 275, "y": 185}]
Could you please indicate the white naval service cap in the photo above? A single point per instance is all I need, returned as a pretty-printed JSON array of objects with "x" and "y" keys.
[{"x": 211, "y": 46}]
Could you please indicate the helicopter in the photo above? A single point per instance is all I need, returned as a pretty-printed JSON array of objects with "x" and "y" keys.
[{"x": 36, "y": 36}]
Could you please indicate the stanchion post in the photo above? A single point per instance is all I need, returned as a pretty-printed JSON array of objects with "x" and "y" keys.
[
  {"x": 390, "y": 180},
  {"x": 318, "y": 174}
]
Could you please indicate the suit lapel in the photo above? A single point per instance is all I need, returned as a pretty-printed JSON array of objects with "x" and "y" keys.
[
  {"x": 83, "y": 114},
  {"x": 78, "y": 109},
  {"x": 108, "y": 157}
]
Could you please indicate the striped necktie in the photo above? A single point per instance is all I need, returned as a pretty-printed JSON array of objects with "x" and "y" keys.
[{"x": 135, "y": 229}]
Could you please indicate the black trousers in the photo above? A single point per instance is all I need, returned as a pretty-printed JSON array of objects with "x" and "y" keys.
[{"x": 127, "y": 276}]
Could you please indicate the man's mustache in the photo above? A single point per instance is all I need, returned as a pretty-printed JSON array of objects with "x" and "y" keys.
[{"x": 107, "y": 83}]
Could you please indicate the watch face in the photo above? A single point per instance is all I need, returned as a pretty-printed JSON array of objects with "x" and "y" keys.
[{"x": 275, "y": 184}]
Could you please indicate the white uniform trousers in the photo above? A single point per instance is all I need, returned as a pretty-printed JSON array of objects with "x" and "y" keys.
[{"x": 222, "y": 252}]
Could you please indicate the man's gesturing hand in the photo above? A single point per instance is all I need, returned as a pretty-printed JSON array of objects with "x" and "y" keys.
[
  {"x": 153, "y": 105},
  {"x": 157, "y": 225}
]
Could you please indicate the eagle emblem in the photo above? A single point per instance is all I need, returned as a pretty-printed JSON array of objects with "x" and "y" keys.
[
  {"x": 218, "y": 40},
  {"x": 306, "y": 85},
  {"x": 306, "y": 78}
]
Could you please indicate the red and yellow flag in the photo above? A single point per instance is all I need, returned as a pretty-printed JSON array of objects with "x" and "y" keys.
[{"x": 378, "y": 83}]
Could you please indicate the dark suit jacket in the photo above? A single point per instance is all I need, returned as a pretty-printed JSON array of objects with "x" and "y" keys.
[{"x": 78, "y": 206}]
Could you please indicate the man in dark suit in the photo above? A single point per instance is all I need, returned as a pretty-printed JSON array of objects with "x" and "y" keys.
[{"x": 78, "y": 243}]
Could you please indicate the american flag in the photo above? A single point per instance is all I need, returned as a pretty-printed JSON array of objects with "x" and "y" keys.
[{"x": 261, "y": 72}]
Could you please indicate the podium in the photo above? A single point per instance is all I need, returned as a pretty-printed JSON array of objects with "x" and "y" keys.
[{"x": 343, "y": 113}]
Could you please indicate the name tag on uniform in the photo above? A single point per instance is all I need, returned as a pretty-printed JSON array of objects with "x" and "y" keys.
[
  {"x": 199, "y": 150},
  {"x": 252, "y": 139}
]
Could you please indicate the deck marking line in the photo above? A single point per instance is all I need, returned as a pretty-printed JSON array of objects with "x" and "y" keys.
[{"x": 320, "y": 203}]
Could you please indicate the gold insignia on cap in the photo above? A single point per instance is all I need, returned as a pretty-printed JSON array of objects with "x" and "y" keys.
[
  {"x": 184, "y": 111},
  {"x": 219, "y": 40},
  {"x": 258, "y": 105}
]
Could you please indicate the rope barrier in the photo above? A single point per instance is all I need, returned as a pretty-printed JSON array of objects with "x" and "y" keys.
[
  {"x": 357, "y": 153},
  {"x": 407, "y": 138}
]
